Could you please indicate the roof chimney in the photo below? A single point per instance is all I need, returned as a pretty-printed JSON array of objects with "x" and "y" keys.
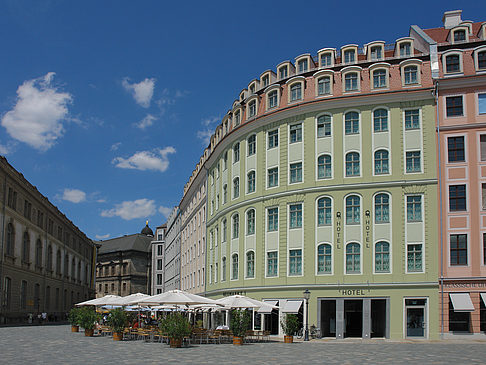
[{"x": 452, "y": 18}]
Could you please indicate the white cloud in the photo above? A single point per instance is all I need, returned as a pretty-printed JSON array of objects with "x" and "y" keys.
[
  {"x": 115, "y": 146},
  {"x": 157, "y": 160},
  {"x": 102, "y": 236},
  {"x": 205, "y": 136},
  {"x": 146, "y": 122},
  {"x": 37, "y": 117},
  {"x": 127, "y": 210},
  {"x": 74, "y": 195},
  {"x": 141, "y": 92},
  {"x": 6, "y": 149},
  {"x": 208, "y": 121},
  {"x": 165, "y": 211}
]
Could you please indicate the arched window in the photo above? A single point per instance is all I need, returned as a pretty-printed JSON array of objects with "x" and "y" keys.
[
  {"x": 481, "y": 60},
  {"x": 324, "y": 259},
  {"x": 380, "y": 120},
  {"x": 324, "y": 85},
  {"x": 250, "y": 264},
  {"x": 324, "y": 212},
  {"x": 324, "y": 170},
  {"x": 236, "y": 225},
  {"x": 351, "y": 123},
  {"x": 234, "y": 268},
  {"x": 381, "y": 162},
  {"x": 352, "y": 164},
  {"x": 66, "y": 265},
  {"x": 250, "y": 222},
  {"x": 236, "y": 187},
  {"x": 49, "y": 258},
  {"x": 379, "y": 79},
  {"x": 26, "y": 248},
  {"x": 224, "y": 230},
  {"x": 324, "y": 126},
  {"x": 353, "y": 259},
  {"x": 410, "y": 75},
  {"x": 382, "y": 208},
  {"x": 351, "y": 81},
  {"x": 296, "y": 91},
  {"x": 453, "y": 63},
  {"x": 223, "y": 269},
  {"x": 251, "y": 182},
  {"x": 382, "y": 257},
  {"x": 252, "y": 108},
  {"x": 38, "y": 253},
  {"x": 58, "y": 262},
  {"x": 353, "y": 215},
  {"x": 10, "y": 249},
  {"x": 272, "y": 99}
]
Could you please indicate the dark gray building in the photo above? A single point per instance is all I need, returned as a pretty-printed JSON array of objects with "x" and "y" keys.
[{"x": 124, "y": 264}]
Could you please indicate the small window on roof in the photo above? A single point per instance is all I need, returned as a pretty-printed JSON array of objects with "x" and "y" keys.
[
  {"x": 376, "y": 53},
  {"x": 326, "y": 59},
  {"x": 459, "y": 35},
  {"x": 283, "y": 73},
  {"x": 303, "y": 65},
  {"x": 349, "y": 56},
  {"x": 265, "y": 80},
  {"x": 405, "y": 49},
  {"x": 252, "y": 89}
]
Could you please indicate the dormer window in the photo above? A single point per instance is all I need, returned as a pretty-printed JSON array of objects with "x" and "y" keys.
[
  {"x": 410, "y": 75},
  {"x": 351, "y": 81},
  {"x": 252, "y": 89},
  {"x": 272, "y": 99},
  {"x": 296, "y": 91},
  {"x": 376, "y": 53},
  {"x": 379, "y": 79},
  {"x": 265, "y": 81},
  {"x": 459, "y": 35},
  {"x": 324, "y": 85},
  {"x": 405, "y": 49},
  {"x": 237, "y": 118},
  {"x": 252, "y": 108},
  {"x": 326, "y": 59},
  {"x": 283, "y": 72},
  {"x": 349, "y": 56},
  {"x": 480, "y": 58},
  {"x": 453, "y": 63},
  {"x": 303, "y": 65}
]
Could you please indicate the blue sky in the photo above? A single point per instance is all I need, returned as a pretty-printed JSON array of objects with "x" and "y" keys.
[{"x": 106, "y": 106}]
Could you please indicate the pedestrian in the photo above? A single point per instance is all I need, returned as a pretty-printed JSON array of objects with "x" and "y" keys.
[{"x": 44, "y": 317}]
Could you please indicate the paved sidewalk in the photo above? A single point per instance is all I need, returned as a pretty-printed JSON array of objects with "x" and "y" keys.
[{"x": 57, "y": 345}]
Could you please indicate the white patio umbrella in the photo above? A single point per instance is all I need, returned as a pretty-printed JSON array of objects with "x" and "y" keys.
[
  {"x": 130, "y": 299},
  {"x": 241, "y": 301},
  {"x": 99, "y": 301},
  {"x": 176, "y": 297}
]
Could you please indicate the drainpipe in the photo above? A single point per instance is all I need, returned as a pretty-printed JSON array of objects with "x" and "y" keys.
[{"x": 441, "y": 234}]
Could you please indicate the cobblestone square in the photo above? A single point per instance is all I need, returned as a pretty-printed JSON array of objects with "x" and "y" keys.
[{"x": 57, "y": 345}]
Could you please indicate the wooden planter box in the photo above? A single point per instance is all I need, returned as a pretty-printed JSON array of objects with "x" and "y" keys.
[
  {"x": 89, "y": 332},
  {"x": 74, "y": 328},
  {"x": 237, "y": 340},
  {"x": 288, "y": 339},
  {"x": 117, "y": 336}
]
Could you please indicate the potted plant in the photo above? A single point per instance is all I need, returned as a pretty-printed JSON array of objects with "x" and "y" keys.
[
  {"x": 240, "y": 320},
  {"x": 73, "y": 318},
  {"x": 87, "y": 320},
  {"x": 290, "y": 325},
  {"x": 117, "y": 320},
  {"x": 176, "y": 327}
]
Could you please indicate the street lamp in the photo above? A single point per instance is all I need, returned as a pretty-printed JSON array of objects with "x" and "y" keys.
[{"x": 306, "y": 297}]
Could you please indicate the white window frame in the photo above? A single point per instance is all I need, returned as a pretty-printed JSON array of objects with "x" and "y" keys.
[
  {"x": 294, "y": 81},
  {"x": 452, "y": 52},
  {"x": 348, "y": 70},
  {"x": 411, "y": 62}
]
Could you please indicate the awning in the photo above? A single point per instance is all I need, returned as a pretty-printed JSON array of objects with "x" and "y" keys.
[
  {"x": 292, "y": 306},
  {"x": 483, "y": 297},
  {"x": 461, "y": 302},
  {"x": 267, "y": 309}
]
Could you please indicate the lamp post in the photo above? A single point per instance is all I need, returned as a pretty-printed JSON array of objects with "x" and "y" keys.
[{"x": 306, "y": 297}]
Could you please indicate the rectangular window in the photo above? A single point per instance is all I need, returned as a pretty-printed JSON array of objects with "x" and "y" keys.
[
  {"x": 159, "y": 279},
  {"x": 324, "y": 86},
  {"x": 482, "y": 103},
  {"x": 323, "y": 126},
  {"x": 282, "y": 72},
  {"x": 225, "y": 193},
  {"x": 296, "y": 133},
  {"x": 295, "y": 216},
  {"x": 326, "y": 59},
  {"x": 23, "y": 294},
  {"x": 414, "y": 258},
  {"x": 295, "y": 172},
  {"x": 159, "y": 264},
  {"x": 295, "y": 262},
  {"x": 414, "y": 208},
  {"x": 454, "y": 106},
  {"x": 272, "y": 214},
  {"x": 273, "y": 139},
  {"x": 303, "y": 66},
  {"x": 455, "y": 149},
  {"x": 412, "y": 119},
  {"x": 376, "y": 53},
  {"x": 458, "y": 248},
  {"x": 482, "y": 141},
  {"x": 405, "y": 49},
  {"x": 251, "y": 145},
  {"x": 483, "y": 190},
  {"x": 273, "y": 177},
  {"x": 351, "y": 81},
  {"x": 413, "y": 161},
  {"x": 272, "y": 263},
  {"x": 349, "y": 56},
  {"x": 457, "y": 198},
  {"x": 453, "y": 63},
  {"x": 379, "y": 79},
  {"x": 272, "y": 99}
]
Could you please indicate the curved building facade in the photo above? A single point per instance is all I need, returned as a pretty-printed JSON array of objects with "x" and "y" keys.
[{"x": 323, "y": 177}]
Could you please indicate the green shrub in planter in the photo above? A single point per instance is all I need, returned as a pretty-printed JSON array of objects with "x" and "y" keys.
[
  {"x": 240, "y": 320},
  {"x": 175, "y": 326},
  {"x": 88, "y": 318},
  {"x": 117, "y": 320},
  {"x": 290, "y": 324},
  {"x": 73, "y": 316}
]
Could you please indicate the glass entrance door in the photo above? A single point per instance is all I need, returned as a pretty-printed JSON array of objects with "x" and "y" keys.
[{"x": 416, "y": 322}]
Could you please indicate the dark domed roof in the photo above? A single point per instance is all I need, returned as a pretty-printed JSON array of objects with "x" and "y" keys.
[{"x": 147, "y": 231}]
